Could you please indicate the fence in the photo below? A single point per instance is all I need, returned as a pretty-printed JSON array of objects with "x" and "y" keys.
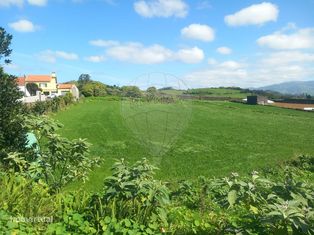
[{"x": 33, "y": 99}]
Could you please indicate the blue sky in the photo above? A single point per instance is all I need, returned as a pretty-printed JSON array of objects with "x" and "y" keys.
[{"x": 203, "y": 42}]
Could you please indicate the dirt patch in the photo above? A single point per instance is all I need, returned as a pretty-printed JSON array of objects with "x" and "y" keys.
[{"x": 293, "y": 106}]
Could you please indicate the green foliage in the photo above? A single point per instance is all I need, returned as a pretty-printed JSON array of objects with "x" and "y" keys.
[
  {"x": 5, "y": 41},
  {"x": 12, "y": 133},
  {"x": 60, "y": 160},
  {"x": 24, "y": 196},
  {"x": 132, "y": 202},
  {"x": 94, "y": 89},
  {"x": 32, "y": 88},
  {"x": 132, "y": 192},
  {"x": 88, "y": 87},
  {"x": 83, "y": 80},
  {"x": 54, "y": 105},
  {"x": 131, "y": 91},
  {"x": 230, "y": 92}
]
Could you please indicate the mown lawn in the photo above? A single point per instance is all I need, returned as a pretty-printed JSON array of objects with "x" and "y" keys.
[{"x": 189, "y": 139}]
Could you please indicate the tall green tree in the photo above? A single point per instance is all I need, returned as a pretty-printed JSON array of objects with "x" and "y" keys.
[
  {"x": 12, "y": 132},
  {"x": 83, "y": 80},
  {"x": 5, "y": 41}
]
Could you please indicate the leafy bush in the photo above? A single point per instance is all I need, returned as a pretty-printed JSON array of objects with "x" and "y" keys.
[
  {"x": 59, "y": 160},
  {"x": 132, "y": 202},
  {"x": 54, "y": 105}
]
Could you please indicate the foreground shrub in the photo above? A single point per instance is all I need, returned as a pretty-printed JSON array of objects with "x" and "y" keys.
[{"x": 132, "y": 202}]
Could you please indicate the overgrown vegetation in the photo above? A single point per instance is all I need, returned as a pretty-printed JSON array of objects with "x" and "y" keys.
[
  {"x": 50, "y": 106},
  {"x": 274, "y": 201}
]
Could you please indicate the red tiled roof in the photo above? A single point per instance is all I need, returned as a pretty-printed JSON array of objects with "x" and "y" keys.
[
  {"x": 20, "y": 81},
  {"x": 38, "y": 78},
  {"x": 65, "y": 86}
]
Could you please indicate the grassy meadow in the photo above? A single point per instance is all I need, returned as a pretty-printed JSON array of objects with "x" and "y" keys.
[
  {"x": 219, "y": 92},
  {"x": 186, "y": 140}
]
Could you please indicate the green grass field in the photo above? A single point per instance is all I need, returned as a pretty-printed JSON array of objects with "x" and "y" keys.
[
  {"x": 218, "y": 92},
  {"x": 186, "y": 140}
]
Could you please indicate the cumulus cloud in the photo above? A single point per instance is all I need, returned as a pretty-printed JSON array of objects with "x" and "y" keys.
[
  {"x": 135, "y": 52},
  {"x": 23, "y": 26},
  {"x": 224, "y": 50},
  {"x": 199, "y": 32},
  {"x": 52, "y": 56},
  {"x": 190, "y": 55},
  {"x": 95, "y": 58},
  {"x": 300, "y": 39},
  {"x": 39, "y": 3},
  {"x": 256, "y": 14},
  {"x": 161, "y": 8}
]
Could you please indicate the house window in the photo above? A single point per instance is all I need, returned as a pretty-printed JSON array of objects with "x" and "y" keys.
[{"x": 42, "y": 85}]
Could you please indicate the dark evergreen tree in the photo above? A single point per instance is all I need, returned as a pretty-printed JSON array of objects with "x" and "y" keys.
[
  {"x": 32, "y": 88},
  {"x": 12, "y": 131},
  {"x": 5, "y": 41}
]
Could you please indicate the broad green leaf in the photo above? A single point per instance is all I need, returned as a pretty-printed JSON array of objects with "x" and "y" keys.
[{"x": 232, "y": 197}]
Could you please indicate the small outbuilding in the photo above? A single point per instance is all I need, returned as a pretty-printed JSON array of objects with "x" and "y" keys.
[{"x": 254, "y": 100}]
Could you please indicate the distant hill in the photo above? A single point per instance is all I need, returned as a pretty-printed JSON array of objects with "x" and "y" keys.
[{"x": 295, "y": 88}]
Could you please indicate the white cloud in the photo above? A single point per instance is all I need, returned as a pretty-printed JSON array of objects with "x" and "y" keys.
[
  {"x": 39, "y": 3},
  {"x": 190, "y": 55},
  {"x": 103, "y": 43},
  {"x": 300, "y": 39},
  {"x": 224, "y": 50},
  {"x": 95, "y": 58},
  {"x": 287, "y": 57},
  {"x": 161, "y": 8},
  {"x": 282, "y": 66},
  {"x": 135, "y": 52},
  {"x": 257, "y": 14},
  {"x": 199, "y": 32},
  {"x": 23, "y": 26},
  {"x": 66, "y": 55},
  {"x": 230, "y": 64},
  {"x": 265, "y": 69},
  {"x": 52, "y": 56},
  {"x": 8, "y": 3},
  {"x": 267, "y": 75}
]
